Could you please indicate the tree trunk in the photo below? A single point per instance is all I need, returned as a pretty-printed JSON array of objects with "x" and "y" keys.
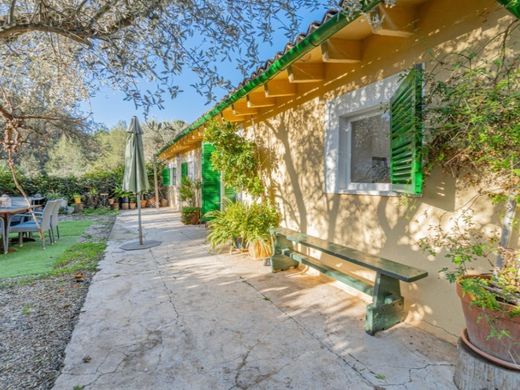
[{"x": 507, "y": 227}]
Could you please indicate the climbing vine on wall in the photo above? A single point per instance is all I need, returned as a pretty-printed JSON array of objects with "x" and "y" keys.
[{"x": 236, "y": 157}]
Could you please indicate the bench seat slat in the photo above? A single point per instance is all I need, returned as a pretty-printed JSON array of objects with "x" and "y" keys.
[
  {"x": 334, "y": 274},
  {"x": 384, "y": 266}
]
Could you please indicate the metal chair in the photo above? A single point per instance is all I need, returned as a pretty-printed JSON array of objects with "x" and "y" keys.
[
  {"x": 55, "y": 219},
  {"x": 4, "y": 238},
  {"x": 44, "y": 225}
]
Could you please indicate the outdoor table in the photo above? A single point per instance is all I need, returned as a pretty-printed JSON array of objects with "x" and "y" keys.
[{"x": 6, "y": 213}]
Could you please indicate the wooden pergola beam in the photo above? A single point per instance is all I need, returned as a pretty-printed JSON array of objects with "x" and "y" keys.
[
  {"x": 258, "y": 100},
  {"x": 337, "y": 50},
  {"x": 397, "y": 21},
  {"x": 306, "y": 72},
  {"x": 279, "y": 88}
]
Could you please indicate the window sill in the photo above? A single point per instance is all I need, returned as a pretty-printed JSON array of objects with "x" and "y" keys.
[{"x": 368, "y": 192}]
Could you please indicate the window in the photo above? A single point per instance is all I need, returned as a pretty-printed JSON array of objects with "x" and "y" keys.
[
  {"x": 174, "y": 176},
  {"x": 191, "y": 170},
  {"x": 373, "y": 138},
  {"x": 365, "y": 151}
]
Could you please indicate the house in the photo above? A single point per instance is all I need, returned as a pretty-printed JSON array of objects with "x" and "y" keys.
[{"x": 315, "y": 103}]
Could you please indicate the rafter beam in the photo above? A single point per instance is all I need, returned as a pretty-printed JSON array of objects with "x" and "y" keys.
[
  {"x": 227, "y": 114},
  {"x": 279, "y": 88},
  {"x": 258, "y": 100},
  {"x": 240, "y": 108},
  {"x": 397, "y": 21},
  {"x": 306, "y": 72},
  {"x": 344, "y": 51}
]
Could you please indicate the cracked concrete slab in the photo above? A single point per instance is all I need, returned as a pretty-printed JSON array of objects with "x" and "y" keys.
[{"x": 179, "y": 317}]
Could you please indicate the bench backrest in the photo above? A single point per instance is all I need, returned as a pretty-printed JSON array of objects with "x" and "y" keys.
[{"x": 375, "y": 263}]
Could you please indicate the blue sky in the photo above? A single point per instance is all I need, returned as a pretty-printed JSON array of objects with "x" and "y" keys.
[{"x": 109, "y": 107}]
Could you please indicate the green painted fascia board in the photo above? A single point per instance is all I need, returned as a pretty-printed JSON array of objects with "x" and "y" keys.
[
  {"x": 312, "y": 40},
  {"x": 512, "y": 6}
]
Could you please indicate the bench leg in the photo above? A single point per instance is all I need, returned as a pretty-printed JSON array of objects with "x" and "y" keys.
[
  {"x": 280, "y": 261},
  {"x": 387, "y": 308}
]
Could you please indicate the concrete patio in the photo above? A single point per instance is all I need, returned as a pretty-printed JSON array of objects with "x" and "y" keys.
[{"x": 178, "y": 317}]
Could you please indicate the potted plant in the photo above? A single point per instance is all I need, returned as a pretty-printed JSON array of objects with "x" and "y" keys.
[
  {"x": 490, "y": 300},
  {"x": 188, "y": 194},
  {"x": 244, "y": 227},
  {"x": 144, "y": 201},
  {"x": 123, "y": 197},
  {"x": 77, "y": 198},
  {"x": 262, "y": 218},
  {"x": 133, "y": 202},
  {"x": 472, "y": 119}
]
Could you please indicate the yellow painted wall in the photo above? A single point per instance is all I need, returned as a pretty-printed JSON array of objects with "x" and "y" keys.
[{"x": 385, "y": 226}]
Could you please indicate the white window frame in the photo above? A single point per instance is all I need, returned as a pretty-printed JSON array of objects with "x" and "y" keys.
[
  {"x": 345, "y": 183},
  {"x": 353, "y": 105}
]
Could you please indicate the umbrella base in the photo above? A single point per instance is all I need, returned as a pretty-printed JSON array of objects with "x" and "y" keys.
[{"x": 134, "y": 245}]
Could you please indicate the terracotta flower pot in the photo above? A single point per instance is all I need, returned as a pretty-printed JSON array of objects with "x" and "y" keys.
[
  {"x": 480, "y": 321},
  {"x": 144, "y": 202},
  {"x": 133, "y": 205},
  {"x": 259, "y": 249},
  {"x": 164, "y": 202}
]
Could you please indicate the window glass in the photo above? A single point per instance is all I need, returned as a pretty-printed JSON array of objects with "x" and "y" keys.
[{"x": 370, "y": 149}]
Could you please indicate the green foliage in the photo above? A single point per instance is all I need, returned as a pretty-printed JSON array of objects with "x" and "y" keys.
[
  {"x": 82, "y": 256},
  {"x": 473, "y": 121},
  {"x": 190, "y": 215},
  {"x": 236, "y": 157},
  {"x": 66, "y": 158},
  {"x": 241, "y": 222},
  {"x": 473, "y": 117},
  {"x": 189, "y": 191}
]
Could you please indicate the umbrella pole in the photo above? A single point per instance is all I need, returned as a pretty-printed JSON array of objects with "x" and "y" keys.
[{"x": 139, "y": 219}]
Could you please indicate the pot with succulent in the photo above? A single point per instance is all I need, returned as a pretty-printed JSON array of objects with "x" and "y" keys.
[{"x": 472, "y": 120}]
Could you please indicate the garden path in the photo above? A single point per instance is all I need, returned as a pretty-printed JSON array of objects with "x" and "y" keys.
[{"x": 178, "y": 317}]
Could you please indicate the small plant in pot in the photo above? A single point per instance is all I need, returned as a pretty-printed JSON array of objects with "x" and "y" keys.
[
  {"x": 133, "y": 202},
  {"x": 77, "y": 198},
  {"x": 490, "y": 300},
  {"x": 189, "y": 195}
]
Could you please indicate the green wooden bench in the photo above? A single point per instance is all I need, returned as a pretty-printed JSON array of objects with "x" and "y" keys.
[{"x": 387, "y": 307}]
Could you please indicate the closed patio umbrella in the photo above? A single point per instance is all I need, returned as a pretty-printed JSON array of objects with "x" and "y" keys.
[{"x": 135, "y": 179}]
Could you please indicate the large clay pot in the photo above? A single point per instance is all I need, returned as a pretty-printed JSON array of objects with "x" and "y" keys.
[
  {"x": 259, "y": 249},
  {"x": 480, "y": 321}
]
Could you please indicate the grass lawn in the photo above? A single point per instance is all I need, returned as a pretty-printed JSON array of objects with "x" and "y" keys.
[{"x": 64, "y": 256}]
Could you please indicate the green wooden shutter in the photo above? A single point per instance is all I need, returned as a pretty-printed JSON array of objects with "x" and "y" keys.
[
  {"x": 184, "y": 170},
  {"x": 166, "y": 176},
  {"x": 512, "y": 6},
  {"x": 210, "y": 187},
  {"x": 406, "y": 127}
]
